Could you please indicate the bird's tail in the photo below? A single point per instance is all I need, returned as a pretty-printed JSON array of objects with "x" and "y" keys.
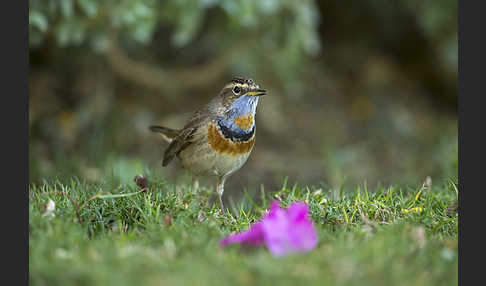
[{"x": 167, "y": 133}]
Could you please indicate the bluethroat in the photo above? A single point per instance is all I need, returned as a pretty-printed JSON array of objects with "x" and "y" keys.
[{"x": 219, "y": 137}]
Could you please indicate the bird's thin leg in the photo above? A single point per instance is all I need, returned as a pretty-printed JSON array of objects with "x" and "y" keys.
[
  {"x": 220, "y": 190},
  {"x": 195, "y": 183}
]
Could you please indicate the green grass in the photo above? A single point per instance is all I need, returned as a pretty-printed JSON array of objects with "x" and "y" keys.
[{"x": 169, "y": 235}]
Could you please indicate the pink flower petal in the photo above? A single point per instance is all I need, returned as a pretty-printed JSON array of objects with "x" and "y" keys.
[
  {"x": 282, "y": 231},
  {"x": 251, "y": 237},
  {"x": 302, "y": 236},
  {"x": 289, "y": 231},
  {"x": 276, "y": 229}
]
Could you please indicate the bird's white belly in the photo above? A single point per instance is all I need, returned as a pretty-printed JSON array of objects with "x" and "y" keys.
[{"x": 202, "y": 160}]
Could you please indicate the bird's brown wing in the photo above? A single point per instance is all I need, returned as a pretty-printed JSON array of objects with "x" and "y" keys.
[
  {"x": 167, "y": 133},
  {"x": 185, "y": 137}
]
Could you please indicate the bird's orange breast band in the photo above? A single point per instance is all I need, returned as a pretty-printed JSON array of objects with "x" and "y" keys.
[{"x": 224, "y": 145}]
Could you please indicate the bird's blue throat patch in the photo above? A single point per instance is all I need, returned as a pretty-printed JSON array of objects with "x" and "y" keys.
[{"x": 238, "y": 124}]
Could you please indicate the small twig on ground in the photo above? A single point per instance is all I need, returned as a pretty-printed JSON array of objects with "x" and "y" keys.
[{"x": 116, "y": 195}]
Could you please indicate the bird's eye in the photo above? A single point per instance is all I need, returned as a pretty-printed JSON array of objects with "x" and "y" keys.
[{"x": 236, "y": 90}]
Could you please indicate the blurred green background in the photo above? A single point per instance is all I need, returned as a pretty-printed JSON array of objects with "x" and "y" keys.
[{"x": 357, "y": 92}]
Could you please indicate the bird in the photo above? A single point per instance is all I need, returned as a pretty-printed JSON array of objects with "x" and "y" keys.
[{"x": 219, "y": 137}]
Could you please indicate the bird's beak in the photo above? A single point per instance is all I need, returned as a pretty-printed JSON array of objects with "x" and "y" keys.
[{"x": 257, "y": 92}]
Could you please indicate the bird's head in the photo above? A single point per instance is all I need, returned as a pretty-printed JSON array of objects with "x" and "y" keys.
[
  {"x": 240, "y": 88},
  {"x": 239, "y": 99}
]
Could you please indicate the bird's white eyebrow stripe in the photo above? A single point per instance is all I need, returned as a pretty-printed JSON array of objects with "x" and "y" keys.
[
  {"x": 244, "y": 86},
  {"x": 229, "y": 85}
]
